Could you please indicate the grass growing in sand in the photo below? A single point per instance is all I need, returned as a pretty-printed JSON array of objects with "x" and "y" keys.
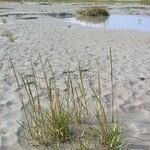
[
  {"x": 67, "y": 117},
  {"x": 4, "y": 21},
  {"x": 7, "y": 33}
]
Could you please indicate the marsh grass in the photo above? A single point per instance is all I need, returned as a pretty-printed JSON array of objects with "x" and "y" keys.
[
  {"x": 66, "y": 117},
  {"x": 8, "y": 33},
  {"x": 66, "y": 1},
  {"x": 45, "y": 125},
  {"x": 94, "y": 11},
  {"x": 4, "y": 21}
]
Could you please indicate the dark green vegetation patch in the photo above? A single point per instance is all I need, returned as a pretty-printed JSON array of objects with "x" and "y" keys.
[{"x": 93, "y": 12}]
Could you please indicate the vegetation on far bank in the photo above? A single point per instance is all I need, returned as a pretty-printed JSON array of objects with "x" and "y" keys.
[
  {"x": 96, "y": 1},
  {"x": 11, "y": 0},
  {"x": 80, "y": 1}
]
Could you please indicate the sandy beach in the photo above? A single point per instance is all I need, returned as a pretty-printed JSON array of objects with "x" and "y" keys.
[{"x": 62, "y": 43}]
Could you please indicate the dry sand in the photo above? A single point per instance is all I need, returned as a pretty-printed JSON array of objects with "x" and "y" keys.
[{"x": 62, "y": 45}]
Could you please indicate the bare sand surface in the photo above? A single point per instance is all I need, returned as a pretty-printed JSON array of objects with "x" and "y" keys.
[{"x": 61, "y": 44}]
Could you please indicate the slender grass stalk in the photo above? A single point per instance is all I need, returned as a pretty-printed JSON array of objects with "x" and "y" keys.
[
  {"x": 36, "y": 87},
  {"x": 21, "y": 96},
  {"x": 112, "y": 86},
  {"x": 100, "y": 101},
  {"x": 82, "y": 90},
  {"x": 51, "y": 71}
]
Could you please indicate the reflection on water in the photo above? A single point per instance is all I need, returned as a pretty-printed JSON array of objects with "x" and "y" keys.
[
  {"x": 93, "y": 20},
  {"x": 136, "y": 22}
]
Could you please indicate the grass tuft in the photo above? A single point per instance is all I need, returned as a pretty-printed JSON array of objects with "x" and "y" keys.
[
  {"x": 67, "y": 117},
  {"x": 4, "y": 21},
  {"x": 7, "y": 33}
]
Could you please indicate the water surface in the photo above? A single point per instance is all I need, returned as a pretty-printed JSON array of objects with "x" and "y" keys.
[{"x": 135, "y": 22}]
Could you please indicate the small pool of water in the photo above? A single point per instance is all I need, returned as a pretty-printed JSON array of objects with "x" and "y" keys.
[{"x": 136, "y": 22}]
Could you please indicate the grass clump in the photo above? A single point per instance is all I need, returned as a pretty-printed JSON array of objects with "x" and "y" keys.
[
  {"x": 112, "y": 137},
  {"x": 67, "y": 117},
  {"x": 4, "y": 21},
  {"x": 93, "y": 12},
  {"x": 7, "y": 33},
  {"x": 46, "y": 125},
  {"x": 110, "y": 134}
]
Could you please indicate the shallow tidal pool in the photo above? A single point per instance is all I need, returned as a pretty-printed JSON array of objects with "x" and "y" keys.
[{"x": 136, "y": 22}]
